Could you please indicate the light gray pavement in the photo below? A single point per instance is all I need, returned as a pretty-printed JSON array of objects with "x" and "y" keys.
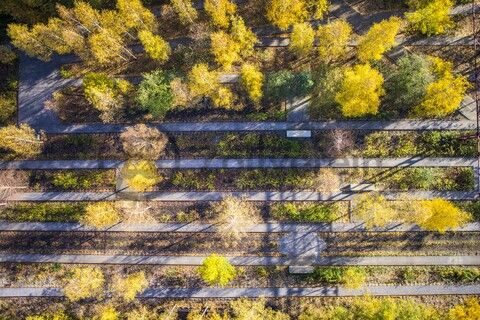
[
  {"x": 249, "y": 196},
  {"x": 378, "y": 290},
  {"x": 201, "y": 227},
  {"x": 240, "y": 260},
  {"x": 401, "y": 125},
  {"x": 248, "y": 163},
  {"x": 373, "y": 290}
]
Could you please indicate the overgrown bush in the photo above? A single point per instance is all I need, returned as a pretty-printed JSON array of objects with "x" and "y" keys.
[
  {"x": 458, "y": 274},
  {"x": 8, "y": 104},
  {"x": 192, "y": 180},
  {"x": 350, "y": 277},
  {"x": 80, "y": 180}
]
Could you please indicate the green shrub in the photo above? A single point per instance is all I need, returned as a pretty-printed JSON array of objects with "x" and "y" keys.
[
  {"x": 193, "y": 180},
  {"x": 8, "y": 105},
  {"x": 259, "y": 145},
  {"x": 65, "y": 72},
  {"x": 407, "y": 86},
  {"x": 73, "y": 180},
  {"x": 308, "y": 212},
  {"x": 44, "y": 212},
  {"x": 283, "y": 85},
  {"x": 328, "y": 275},
  {"x": 459, "y": 274},
  {"x": 327, "y": 83},
  {"x": 409, "y": 274}
]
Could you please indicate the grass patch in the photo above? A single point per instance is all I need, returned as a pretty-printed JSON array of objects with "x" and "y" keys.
[
  {"x": 305, "y": 212},
  {"x": 72, "y": 180},
  {"x": 43, "y": 212}
]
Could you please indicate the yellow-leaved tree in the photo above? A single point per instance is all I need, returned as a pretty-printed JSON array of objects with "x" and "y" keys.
[
  {"x": 301, "y": 39},
  {"x": 225, "y": 49},
  {"x": 379, "y": 39},
  {"x": 106, "y": 312},
  {"x": 185, "y": 11},
  {"x": 317, "y": 8},
  {"x": 360, "y": 91},
  {"x": 136, "y": 16},
  {"x": 21, "y": 141},
  {"x": 217, "y": 270},
  {"x": 140, "y": 175},
  {"x": 100, "y": 215},
  {"x": 85, "y": 282},
  {"x": 445, "y": 94},
  {"x": 157, "y": 48},
  {"x": 439, "y": 215},
  {"x": 220, "y": 11},
  {"x": 468, "y": 310},
  {"x": 333, "y": 38},
  {"x": 373, "y": 209},
  {"x": 203, "y": 82},
  {"x": 353, "y": 277},
  {"x": 127, "y": 288},
  {"x": 251, "y": 80},
  {"x": 243, "y": 36},
  {"x": 285, "y": 13},
  {"x": 430, "y": 17}
]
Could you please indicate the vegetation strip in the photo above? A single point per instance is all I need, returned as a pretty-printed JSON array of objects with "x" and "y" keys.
[
  {"x": 242, "y": 260},
  {"x": 197, "y": 227},
  {"x": 380, "y": 290},
  {"x": 249, "y": 196},
  {"x": 248, "y": 163}
]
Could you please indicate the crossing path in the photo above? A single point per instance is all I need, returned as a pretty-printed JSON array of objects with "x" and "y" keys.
[
  {"x": 260, "y": 196},
  {"x": 241, "y": 260},
  {"x": 272, "y": 227},
  {"x": 373, "y": 290},
  {"x": 248, "y": 163}
]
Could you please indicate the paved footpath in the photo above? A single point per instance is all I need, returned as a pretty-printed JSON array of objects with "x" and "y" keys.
[
  {"x": 374, "y": 290},
  {"x": 249, "y": 196},
  {"x": 248, "y": 163},
  {"x": 225, "y": 126},
  {"x": 241, "y": 260},
  {"x": 272, "y": 227}
]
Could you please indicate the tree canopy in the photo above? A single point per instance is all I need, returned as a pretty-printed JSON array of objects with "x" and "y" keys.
[
  {"x": 154, "y": 93},
  {"x": 216, "y": 270},
  {"x": 21, "y": 141},
  {"x": 379, "y": 39}
]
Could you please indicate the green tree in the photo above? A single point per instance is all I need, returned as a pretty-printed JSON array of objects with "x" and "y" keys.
[
  {"x": 379, "y": 39},
  {"x": 140, "y": 175},
  {"x": 407, "y": 86},
  {"x": 85, "y": 282},
  {"x": 22, "y": 141},
  {"x": 100, "y": 215},
  {"x": 157, "y": 48},
  {"x": 301, "y": 39},
  {"x": 154, "y": 94},
  {"x": 185, "y": 11},
  {"x": 285, "y": 13},
  {"x": 127, "y": 288},
  {"x": 285, "y": 84},
  {"x": 360, "y": 92},
  {"x": 220, "y": 11},
  {"x": 332, "y": 40},
  {"x": 216, "y": 270},
  {"x": 251, "y": 80},
  {"x": 430, "y": 17}
]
